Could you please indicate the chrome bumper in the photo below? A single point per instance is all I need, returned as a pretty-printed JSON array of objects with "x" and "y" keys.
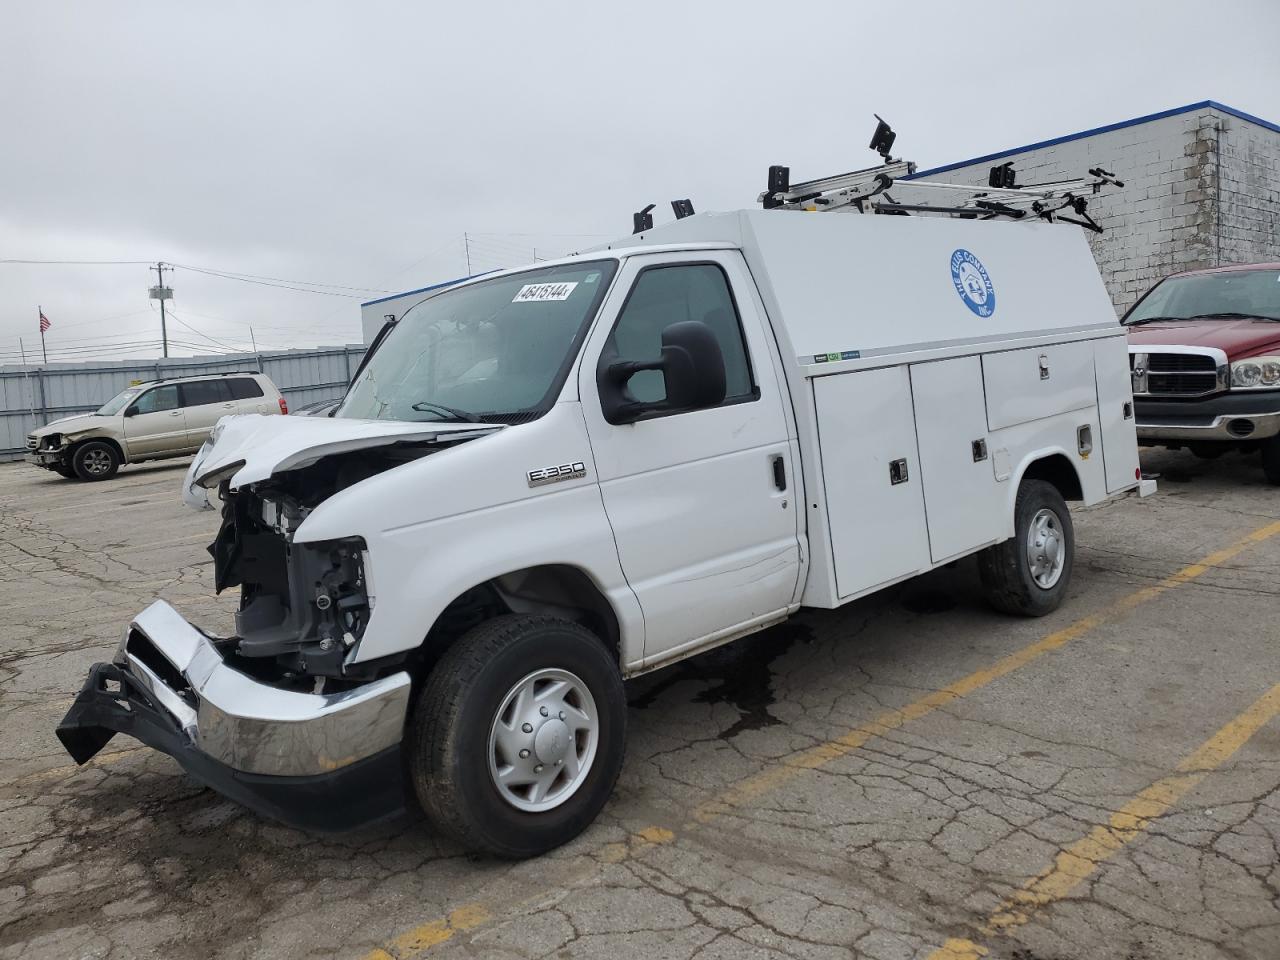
[
  {"x": 248, "y": 725},
  {"x": 1224, "y": 427}
]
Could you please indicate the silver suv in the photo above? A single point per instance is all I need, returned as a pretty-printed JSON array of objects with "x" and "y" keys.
[{"x": 149, "y": 421}]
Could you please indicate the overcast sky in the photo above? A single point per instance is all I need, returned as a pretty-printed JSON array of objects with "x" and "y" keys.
[{"x": 353, "y": 144}]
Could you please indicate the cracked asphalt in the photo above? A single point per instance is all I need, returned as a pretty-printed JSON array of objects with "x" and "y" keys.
[{"x": 912, "y": 776}]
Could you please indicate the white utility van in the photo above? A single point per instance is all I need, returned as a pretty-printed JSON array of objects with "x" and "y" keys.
[{"x": 547, "y": 480}]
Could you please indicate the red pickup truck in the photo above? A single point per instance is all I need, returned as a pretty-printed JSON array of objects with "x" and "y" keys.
[{"x": 1204, "y": 353}]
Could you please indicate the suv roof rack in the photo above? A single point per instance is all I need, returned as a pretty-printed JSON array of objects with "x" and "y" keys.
[{"x": 194, "y": 376}]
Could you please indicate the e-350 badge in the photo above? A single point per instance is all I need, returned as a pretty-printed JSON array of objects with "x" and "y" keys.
[{"x": 563, "y": 471}]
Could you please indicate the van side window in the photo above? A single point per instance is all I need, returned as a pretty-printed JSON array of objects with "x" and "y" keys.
[
  {"x": 199, "y": 392},
  {"x": 665, "y": 295},
  {"x": 244, "y": 388},
  {"x": 158, "y": 400}
]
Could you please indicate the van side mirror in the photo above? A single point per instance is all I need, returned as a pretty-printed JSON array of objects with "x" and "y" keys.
[{"x": 692, "y": 368}]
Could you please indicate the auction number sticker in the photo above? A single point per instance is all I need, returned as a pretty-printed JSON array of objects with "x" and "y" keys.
[{"x": 541, "y": 292}]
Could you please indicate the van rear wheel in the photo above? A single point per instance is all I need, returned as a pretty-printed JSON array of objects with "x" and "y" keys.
[
  {"x": 517, "y": 738},
  {"x": 1028, "y": 574}
]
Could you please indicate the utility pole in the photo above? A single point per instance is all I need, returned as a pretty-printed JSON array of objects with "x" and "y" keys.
[
  {"x": 466, "y": 245},
  {"x": 162, "y": 293}
]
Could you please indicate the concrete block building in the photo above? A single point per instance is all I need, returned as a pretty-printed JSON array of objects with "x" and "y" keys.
[{"x": 1201, "y": 189}]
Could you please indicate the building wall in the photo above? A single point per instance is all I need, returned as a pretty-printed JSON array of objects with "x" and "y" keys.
[
  {"x": 1168, "y": 216},
  {"x": 1249, "y": 205}
]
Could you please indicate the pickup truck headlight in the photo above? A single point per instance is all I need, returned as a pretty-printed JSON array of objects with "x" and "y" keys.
[{"x": 1256, "y": 373}]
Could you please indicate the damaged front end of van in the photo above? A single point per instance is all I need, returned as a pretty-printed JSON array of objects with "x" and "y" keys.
[{"x": 278, "y": 717}]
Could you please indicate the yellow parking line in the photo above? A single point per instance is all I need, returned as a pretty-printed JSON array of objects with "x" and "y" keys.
[
  {"x": 423, "y": 938},
  {"x": 790, "y": 767},
  {"x": 1081, "y": 859},
  {"x": 772, "y": 777},
  {"x": 61, "y": 772}
]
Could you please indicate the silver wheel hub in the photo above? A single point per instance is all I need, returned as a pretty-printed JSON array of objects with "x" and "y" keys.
[
  {"x": 1046, "y": 548},
  {"x": 543, "y": 740},
  {"x": 97, "y": 461}
]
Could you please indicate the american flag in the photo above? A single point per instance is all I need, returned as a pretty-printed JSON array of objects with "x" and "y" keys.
[{"x": 44, "y": 322}]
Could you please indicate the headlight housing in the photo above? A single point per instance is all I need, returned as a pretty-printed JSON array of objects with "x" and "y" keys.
[{"x": 1256, "y": 373}]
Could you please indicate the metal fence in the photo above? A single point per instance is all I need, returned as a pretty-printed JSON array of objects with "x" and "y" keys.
[{"x": 32, "y": 396}]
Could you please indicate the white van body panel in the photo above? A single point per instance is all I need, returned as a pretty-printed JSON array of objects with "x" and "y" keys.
[
  {"x": 865, "y": 352},
  {"x": 450, "y": 521}
]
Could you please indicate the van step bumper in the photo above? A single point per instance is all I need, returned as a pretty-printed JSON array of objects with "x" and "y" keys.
[{"x": 321, "y": 762}]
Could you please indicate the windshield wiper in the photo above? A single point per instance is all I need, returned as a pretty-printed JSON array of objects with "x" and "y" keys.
[
  {"x": 1233, "y": 315},
  {"x": 450, "y": 413},
  {"x": 1138, "y": 323}
]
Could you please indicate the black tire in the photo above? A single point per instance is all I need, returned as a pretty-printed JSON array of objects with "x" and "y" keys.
[
  {"x": 1271, "y": 460},
  {"x": 95, "y": 460},
  {"x": 1005, "y": 568},
  {"x": 447, "y": 743},
  {"x": 65, "y": 471}
]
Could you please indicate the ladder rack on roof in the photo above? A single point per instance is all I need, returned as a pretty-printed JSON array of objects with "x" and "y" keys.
[{"x": 867, "y": 191}]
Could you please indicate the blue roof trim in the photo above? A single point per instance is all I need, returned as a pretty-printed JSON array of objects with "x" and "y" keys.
[
  {"x": 408, "y": 293},
  {"x": 1202, "y": 105}
]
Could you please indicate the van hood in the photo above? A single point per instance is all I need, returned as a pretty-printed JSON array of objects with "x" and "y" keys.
[
  {"x": 256, "y": 447},
  {"x": 1237, "y": 337}
]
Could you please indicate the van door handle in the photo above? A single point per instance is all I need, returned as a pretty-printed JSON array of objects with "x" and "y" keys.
[{"x": 780, "y": 473}]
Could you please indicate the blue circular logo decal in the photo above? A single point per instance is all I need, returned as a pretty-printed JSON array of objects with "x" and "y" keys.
[{"x": 972, "y": 283}]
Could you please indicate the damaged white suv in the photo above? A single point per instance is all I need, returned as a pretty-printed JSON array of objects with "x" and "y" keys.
[{"x": 544, "y": 481}]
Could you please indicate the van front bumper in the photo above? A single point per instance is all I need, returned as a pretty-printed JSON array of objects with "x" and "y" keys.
[{"x": 317, "y": 761}]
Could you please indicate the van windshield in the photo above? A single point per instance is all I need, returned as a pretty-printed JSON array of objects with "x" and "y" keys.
[
  {"x": 495, "y": 351},
  {"x": 1238, "y": 293},
  {"x": 118, "y": 402}
]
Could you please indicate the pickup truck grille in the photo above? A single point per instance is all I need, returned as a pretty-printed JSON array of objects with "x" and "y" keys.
[{"x": 1190, "y": 374}]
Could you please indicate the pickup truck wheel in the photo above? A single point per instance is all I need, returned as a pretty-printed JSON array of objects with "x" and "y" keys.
[
  {"x": 95, "y": 460},
  {"x": 1028, "y": 574},
  {"x": 1271, "y": 460},
  {"x": 518, "y": 735}
]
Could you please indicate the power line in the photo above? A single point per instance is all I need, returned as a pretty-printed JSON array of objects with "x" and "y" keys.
[
  {"x": 81, "y": 263},
  {"x": 236, "y": 275}
]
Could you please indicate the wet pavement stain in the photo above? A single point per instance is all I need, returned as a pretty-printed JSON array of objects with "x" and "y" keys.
[
  {"x": 739, "y": 674},
  {"x": 928, "y": 601}
]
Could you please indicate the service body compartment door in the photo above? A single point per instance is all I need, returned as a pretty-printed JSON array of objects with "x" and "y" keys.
[
  {"x": 963, "y": 500},
  {"x": 1038, "y": 382},
  {"x": 871, "y": 476},
  {"x": 1115, "y": 411}
]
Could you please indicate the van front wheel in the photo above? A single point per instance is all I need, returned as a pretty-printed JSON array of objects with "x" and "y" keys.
[
  {"x": 1029, "y": 574},
  {"x": 517, "y": 738}
]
